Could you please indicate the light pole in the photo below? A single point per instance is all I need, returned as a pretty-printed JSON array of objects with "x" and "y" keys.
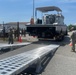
[
  {"x": 32, "y": 19},
  {"x": 3, "y": 32},
  {"x": 33, "y": 7}
]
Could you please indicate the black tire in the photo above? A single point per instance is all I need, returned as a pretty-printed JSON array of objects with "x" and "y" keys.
[{"x": 66, "y": 33}]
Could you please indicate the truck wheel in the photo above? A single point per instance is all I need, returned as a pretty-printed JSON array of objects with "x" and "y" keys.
[
  {"x": 66, "y": 32},
  {"x": 61, "y": 38}
]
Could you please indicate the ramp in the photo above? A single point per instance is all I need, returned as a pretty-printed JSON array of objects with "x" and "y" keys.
[
  {"x": 15, "y": 64},
  {"x": 4, "y": 46}
]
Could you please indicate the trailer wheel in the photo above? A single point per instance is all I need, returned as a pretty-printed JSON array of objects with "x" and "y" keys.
[
  {"x": 61, "y": 38},
  {"x": 66, "y": 33}
]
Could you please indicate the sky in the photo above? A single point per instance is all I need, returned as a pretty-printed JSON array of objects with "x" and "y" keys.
[{"x": 22, "y": 10}]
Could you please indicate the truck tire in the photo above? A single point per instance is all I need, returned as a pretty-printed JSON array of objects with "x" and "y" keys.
[
  {"x": 59, "y": 38},
  {"x": 66, "y": 33}
]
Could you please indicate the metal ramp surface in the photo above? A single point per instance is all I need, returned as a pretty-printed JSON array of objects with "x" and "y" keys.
[
  {"x": 3, "y": 46},
  {"x": 15, "y": 64}
]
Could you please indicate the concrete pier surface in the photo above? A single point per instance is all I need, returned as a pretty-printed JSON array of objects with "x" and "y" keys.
[{"x": 63, "y": 61}]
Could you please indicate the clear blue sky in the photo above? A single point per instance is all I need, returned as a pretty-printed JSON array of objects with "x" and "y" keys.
[{"x": 21, "y": 10}]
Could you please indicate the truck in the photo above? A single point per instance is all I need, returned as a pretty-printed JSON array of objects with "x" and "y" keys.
[{"x": 50, "y": 26}]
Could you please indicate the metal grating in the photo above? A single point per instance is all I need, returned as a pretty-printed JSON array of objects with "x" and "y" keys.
[{"x": 15, "y": 64}]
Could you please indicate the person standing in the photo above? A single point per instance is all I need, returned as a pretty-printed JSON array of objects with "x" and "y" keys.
[
  {"x": 73, "y": 37},
  {"x": 10, "y": 37},
  {"x": 24, "y": 32},
  {"x": 4, "y": 35},
  {"x": 15, "y": 33}
]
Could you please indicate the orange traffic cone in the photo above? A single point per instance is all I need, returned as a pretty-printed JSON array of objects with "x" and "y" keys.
[
  {"x": 70, "y": 44},
  {"x": 20, "y": 39}
]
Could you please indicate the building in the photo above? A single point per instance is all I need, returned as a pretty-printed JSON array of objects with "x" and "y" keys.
[
  {"x": 14, "y": 25},
  {"x": 22, "y": 25}
]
